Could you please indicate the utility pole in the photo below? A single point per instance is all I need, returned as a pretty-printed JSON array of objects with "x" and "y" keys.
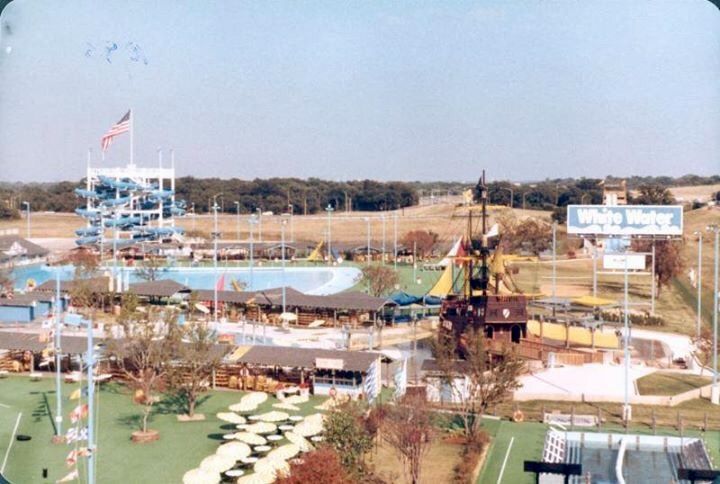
[
  {"x": 215, "y": 260},
  {"x": 251, "y": 221},
  {"x": 329, "y": 209},
  {"x": 652, "y": 283},
  {"x": 259, "y": 211},
  {"x": 554, "y": 266},
  {"x": 282, "y": 248},
  {"x": 237, "y": 221},
  {"x": 383, "y": 238},
  {"x": 27, "y": 217},
  {"x": 699, "y": 285},
  {"x": 395, "y": 249},
  {"x": 627, "y": 410},
  {"x": 367, "y": 219},
  {"x": 715, "y": 391}
]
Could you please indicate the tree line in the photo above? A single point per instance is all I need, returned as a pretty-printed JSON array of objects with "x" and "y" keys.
[{"x": 275, "y": 194}]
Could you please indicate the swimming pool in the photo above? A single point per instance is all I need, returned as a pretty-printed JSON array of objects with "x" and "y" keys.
[{"x": 310, "y": 280}]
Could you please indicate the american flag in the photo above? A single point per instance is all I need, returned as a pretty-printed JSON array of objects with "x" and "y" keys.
[{"x": 122, "y": 126}]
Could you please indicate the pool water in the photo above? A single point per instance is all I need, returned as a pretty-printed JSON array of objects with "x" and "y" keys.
[{"x": 310, "y": 280}]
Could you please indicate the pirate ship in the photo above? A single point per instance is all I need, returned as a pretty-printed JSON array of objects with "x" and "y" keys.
[{"x": 479, "y": 304}]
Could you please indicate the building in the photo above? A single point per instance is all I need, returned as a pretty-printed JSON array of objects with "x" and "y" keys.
[
  {"x": 614, "y": 192},
  {"x": 17, "y": 251}
]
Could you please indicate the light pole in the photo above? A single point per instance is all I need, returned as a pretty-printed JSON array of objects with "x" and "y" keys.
[
  {"x": 252, "y": 220},
  {"x": 395, "y": 250},
  {"x": 27, "y": 217},
  {"x": 383, "y": 237},
  {"x": 282, "y": 249},
  {"x": 237, "y": 220},
  {"x": 329, "y": 209},
  {"x": 216, "y": 235},
  {"x": 367, "y": 219},
  {"x": 291, "y": 209},
  {"x": 259, "y": 211},
  {"x": 512, "y": 194},
  {"x": 699, "y": 283},
  {"x": 627, "y": 410},
  {"x": 715, "y": 391},
  {"x": 194, "y": 215},
  {"x": 554, "y": 265}
]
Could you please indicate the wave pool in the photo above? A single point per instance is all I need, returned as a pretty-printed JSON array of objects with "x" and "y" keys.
[{"x": 309, "y": 280}]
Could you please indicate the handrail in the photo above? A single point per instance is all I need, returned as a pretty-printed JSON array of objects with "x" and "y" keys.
[{"x": 619, "y": 461}]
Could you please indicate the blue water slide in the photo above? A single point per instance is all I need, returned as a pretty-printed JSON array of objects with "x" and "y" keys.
[
  {"x": 86, "y": 193},
  {"x": 88, "y": 240},
  {"x": 115, "y": 202},
  {"x": 87, "y": 231},
  {"x": 123, "y": 221},
  {"x": 88, "y": 212}
]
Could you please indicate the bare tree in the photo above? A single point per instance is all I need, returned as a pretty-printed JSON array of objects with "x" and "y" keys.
[
  {"x": 149, "y": 269},
  {"x": 477, "y": 381},
  {"x": 194, "y": 363},
  {"x": 144, "y": 351},
  {"x": 408, "y": 427},
  {"x": 381, "y": 280},
  {"x": 6, "y": 281},
  {"x": 423, "y": 240}
]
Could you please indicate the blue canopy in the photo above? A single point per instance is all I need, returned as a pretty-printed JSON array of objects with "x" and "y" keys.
[{"x": 404, "y": 299}]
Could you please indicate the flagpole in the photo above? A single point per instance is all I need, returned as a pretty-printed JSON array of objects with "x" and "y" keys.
[
  {"x": 91, "y": 403},
  {"x": 132, "y": 138},
  {"x": 58, "y": 360}
]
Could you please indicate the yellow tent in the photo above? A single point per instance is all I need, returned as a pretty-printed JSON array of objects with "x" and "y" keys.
[
  {"x": 316, "y": 254},
  {"x": 592, "y": 301},
  {"x": 444, "y": 284}
]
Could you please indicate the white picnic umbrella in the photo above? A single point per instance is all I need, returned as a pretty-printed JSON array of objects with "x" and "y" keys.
[
  {"x": 202, "y": 308},
  {"x": 235, "y": 450},
  {"x": 295, "y": 399},
  {"x": 284, "y": 452},
  {"x": 257, "y": 478},
  {"x": 243, "y": 407},
  {"x": 231, "y": 417},
  {"x": 250, "y": 438},
  {"x": 255, "y": 397},
  {"x": 261, "y": 428},
  {"x": 286, "y": 406},
  {"x": 303, "y": 444},
  {"x": 288, "y": 316},
  {"x": 217, "y": 463},
  {"x": 201, "y": 476},
  {"x": 271, "y": 466},
  {"x": 273, "y": 416}
]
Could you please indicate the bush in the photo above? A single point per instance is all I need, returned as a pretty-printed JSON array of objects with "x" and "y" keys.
[
  {"x": 644, "y": 319},
  {"x": 463, "y": 472}
]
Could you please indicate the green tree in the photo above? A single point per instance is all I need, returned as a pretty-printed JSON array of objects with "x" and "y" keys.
[
  {"x": 653, "y": 194},
  {"x": 346, "y": 433}
]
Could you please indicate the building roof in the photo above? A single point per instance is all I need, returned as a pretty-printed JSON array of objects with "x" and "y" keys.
[
  {"x": 431, "y": 366},
  {"x": 357, "y": 301},
  {"x": 95, "y": 284},
  {"x": 302, "y": 357},
  {"x": 10, "y": 243},
  {"x": 26, "y": 299},
  {"x": 31, "y": 342},
  {"x": 158, "y": 288}
]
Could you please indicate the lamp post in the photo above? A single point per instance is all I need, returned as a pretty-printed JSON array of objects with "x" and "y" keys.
[
  {"x": 27, "y": 217},
  {"x": 699, "y": 284},
  {"x": 194, "y": 215},
  {"x": 215, "y": 261},
  {"x": 512, "y": 194},
  {"x": 259, "y": 211},
  {"x": 715, "y": 391},
  {"x": 383, "y": 237},
  {"x": 282, "y": 250},
  {"x": 237, "y": 220},
  {"x": 395, "y": 249},
  {"x": 329, "y": 209},
  {"x": 291, "y": 210},
  {"x": 58, "y": 360},
  {"x": 252, "y": 220},
  {"x": 367, "y": 219},
  {"x": 554, "y": 265},
  {"x": 627, "y": 410}
]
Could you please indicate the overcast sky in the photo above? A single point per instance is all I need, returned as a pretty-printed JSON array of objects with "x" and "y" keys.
[{"x": 380, "y": 89}]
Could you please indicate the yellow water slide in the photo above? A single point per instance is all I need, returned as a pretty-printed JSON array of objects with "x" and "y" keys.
[{"x": 578, "y": 336}]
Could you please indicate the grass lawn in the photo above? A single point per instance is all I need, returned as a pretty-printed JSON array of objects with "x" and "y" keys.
[
  {"x": 667, "y": 383},
  {"x": 527, "y": 444},
  {"x": 181, "y": 446}
]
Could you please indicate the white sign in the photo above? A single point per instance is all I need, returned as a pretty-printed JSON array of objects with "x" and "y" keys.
[
  {"x": 635, "y": 262},
  {"x": 330, "y": 363},
  {"x": 659, "y": 220}
]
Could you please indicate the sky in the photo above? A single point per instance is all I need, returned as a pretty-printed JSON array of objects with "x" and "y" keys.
[{"x": 342, "y": 90}]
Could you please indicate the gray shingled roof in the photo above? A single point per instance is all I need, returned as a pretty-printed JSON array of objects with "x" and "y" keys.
[
  {"x": 32, "y": 250},
  {"x": 96, "y": 284},
  {"x": 159, "y": 288},
  {"x": 305, "y": 357},
  {"x": 26, "y": 299}
]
